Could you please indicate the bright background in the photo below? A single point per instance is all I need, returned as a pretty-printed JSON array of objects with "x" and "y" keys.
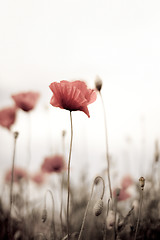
[{"x": 44, "y": 41}]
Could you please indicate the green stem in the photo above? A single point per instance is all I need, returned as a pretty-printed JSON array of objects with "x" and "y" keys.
[{"x": 69, "y": 162}]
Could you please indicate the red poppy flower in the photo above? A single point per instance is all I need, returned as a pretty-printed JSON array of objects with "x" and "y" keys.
[
  {"x": 72, "y": 96},
  {"x": 121, "y": 194},
  {"x": 126, "y": 182},
  {"x": 53, "y": 164},
  {"x": 38, "y": 178},
  {"x": 18, "y": 175},
  {"x": 7, "y": 116},
  {"x": 26, "y": 101}
]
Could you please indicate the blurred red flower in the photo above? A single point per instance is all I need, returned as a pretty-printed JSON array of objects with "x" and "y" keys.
[
  {"x": 121, "y": 194},
  {"x": 126, "y": 182},
  {"x": 26, "y": 101},
  {"x": 18, "y": 175},
  {"x": 72, "y": 96},
  {"x": 7, "y": 116},
  {"x": 38, "y": 178},
  {"x": 53, "y": 164}
]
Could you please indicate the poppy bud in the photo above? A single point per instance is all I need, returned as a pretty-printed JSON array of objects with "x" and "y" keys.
[
  {"x": 98, "y": 207},
  {"x": 16, "y": 134},
  {"x": 44, "y": 215},
  {"x": 98, "y": 83},
  {"x": 117, "y": 192},
  {"x": 142, "y": 182},
  {"x": 96, "y": 180},
  {"x": 63, "y": 133}
]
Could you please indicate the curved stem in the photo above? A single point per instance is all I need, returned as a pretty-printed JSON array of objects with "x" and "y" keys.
[
  {"x": 69, "y": 162},
  {"x": 99, "y": 177},
  {"x": 12, "y": 179},
  {"x": 139, "y": 214},
  {"x": 52, "y": 223},
  {"x": 85, "y": 214},
  {"x": 107, "y": 154}
]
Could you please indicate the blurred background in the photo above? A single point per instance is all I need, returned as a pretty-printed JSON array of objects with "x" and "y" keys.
[{"x": 42, "y": 41}]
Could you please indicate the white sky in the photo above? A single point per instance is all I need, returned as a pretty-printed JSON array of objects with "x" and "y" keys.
[{"x": 43, "y": 41}]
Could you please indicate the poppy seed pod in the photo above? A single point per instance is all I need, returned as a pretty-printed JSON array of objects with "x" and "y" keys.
[
  {"x": 98, "y": 207},
  {"x": 142, "y": 182},
  {"x": 44, "y": 215}
]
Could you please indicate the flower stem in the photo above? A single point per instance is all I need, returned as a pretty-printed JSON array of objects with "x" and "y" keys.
[
  {"x": 139, "y": 214},
  {"x": 62, "y": 180},
  {"x": 12, "y": 179},
  {"x": 115, "y": 216},
  {"x": 52, "y": 222},
  {"x": 69, "y": 162},
  {"x": 107, "y": 154},
  {"x": 104, "y": 235},
  {"x": 85, "y": 214}
]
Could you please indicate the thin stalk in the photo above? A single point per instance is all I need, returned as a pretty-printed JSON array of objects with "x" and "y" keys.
[
  {"x": 115, "y": 215},
  {"x": 52, "y": 222},
  {"x": 61, "y": 207},
  {"x": 62, "y": 179},
  {"x": 68, "y": 181},
  {"x": 139, "y": 214},
  {"x": 107, "y": 154},
  {"x": 104, "y": 235},
  {"x": 12, "y": 179},
  {"x": 28, "y": 163},
  {"x": 86, "y": 211}
]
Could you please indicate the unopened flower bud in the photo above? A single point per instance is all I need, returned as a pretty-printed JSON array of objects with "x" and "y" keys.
[
  {"x": 16, "y": 134},
  {"x": 44, "y": 215},
  {"x": 118, "y": 192},
  {"x": 98, "y": 207},
  {"x": 142, "y": 182},
  {"x": 96, "y": 180},
  {"x": 98, "y": 83},
  {"x": 63, "y": 133}
]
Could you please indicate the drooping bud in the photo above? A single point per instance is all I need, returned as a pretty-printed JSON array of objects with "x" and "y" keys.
[
  {"x": 98, "y": 83},
  {"x": 44, "y": 215},
  {"x": 97, "y": 180},
  {"x": 142, "y": 182},
  {"x": 98, "y": 207}
]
